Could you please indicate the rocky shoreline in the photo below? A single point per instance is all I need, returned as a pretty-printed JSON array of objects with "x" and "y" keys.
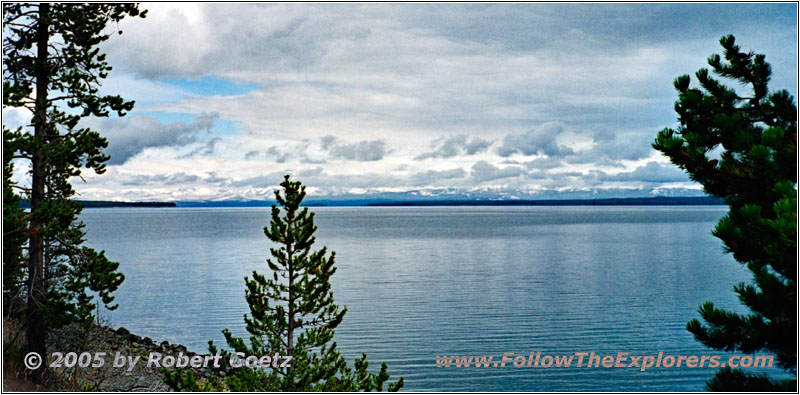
[{"x": 117, "y": 343}]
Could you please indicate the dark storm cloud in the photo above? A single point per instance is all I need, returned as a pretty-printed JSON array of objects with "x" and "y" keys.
[{"x": 129, "y": 136}]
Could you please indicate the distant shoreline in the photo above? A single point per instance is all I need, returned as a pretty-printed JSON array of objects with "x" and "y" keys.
[
  {"x": 644, "y": 201},
  {"x": 651, "y": 201},
  {"x": 648, "y": 201},
  {"x": 108, "y": 204}
]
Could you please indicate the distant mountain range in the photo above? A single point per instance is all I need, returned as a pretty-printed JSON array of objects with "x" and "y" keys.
[
  {"x": 443, "y": 197},
  {"x": 448, "y": 197},
  {"x": 636, "y": 201},
  {"x": 648, "y": 201}
]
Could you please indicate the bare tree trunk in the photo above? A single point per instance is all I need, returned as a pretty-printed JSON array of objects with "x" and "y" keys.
[{"x": 35, "y": 326}]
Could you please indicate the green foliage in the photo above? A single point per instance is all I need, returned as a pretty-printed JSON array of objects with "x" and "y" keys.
[
  {"x": 756, "y": 174},
  {"x": 52, "y": 66},
  {"x": 179, "y": 379},
  {"x": 78, "y": 276},
  {"x": 734, "y": 380},
  {"x": 14, "y": 234},
  {"x": 184, "y": 380},
  {"x": 292, "y": 313}
]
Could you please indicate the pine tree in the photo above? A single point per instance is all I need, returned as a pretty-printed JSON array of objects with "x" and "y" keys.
[
  {"x": 14, "y": 235},
  {"x": 52, "y": 66},
  {"x": 756, "y": 173},
  {"x": 292, "y": 313}
]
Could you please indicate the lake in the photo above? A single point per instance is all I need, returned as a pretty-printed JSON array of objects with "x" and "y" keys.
[{"x": 421, "y": 282}]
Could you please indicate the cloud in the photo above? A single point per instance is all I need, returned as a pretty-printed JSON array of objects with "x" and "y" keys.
[
  {"x": 329, "y": 183},
  {"x": 539, "y": 141},
  {"x": 544, "y": 163},
  {"x": 456, "y": 145},
  {"x": 483, "y": 171},
  {"x": 653, "y": 172},
  {"x": 609, "y": 148},
  {"x": 128, "y": 137},
  {"x": 14, "y": 118},
  {"x": 362, "y": 151},
  {"x": 328, "y": 141},
  {"x": 204, "y": 150},
  {"x": 547, "y": 96},
  {"x": 278, "y": 155},
  {"x": 293, "y": 151},
  {"x": 435, "y": 177},
  {"x": 329, "y": 147},
  {"x": 166, "y": 179}
]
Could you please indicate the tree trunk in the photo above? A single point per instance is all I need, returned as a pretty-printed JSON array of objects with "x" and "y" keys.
[{"x": 35, "y": 326}]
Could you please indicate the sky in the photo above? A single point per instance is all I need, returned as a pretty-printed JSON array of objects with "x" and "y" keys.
[{"x": 509, "y": 101}]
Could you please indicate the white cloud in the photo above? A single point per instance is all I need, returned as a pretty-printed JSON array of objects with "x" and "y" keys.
[{"x": 391, "y": 96}]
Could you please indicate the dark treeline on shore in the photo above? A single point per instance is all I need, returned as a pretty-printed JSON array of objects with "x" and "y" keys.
[{"x": 24, "y": 203}]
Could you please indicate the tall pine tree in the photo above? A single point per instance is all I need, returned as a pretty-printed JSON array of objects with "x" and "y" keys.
[
  {"x": 292, "y": 312},
  {"x": 52, "y": 66},
  {"x": 14, "y": 235},
  {"x": 755, "y": 134}
]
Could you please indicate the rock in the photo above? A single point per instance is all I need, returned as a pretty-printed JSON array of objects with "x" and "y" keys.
[
  {"x": 179, "y": 348},
  {"x": 112, "y": 378}
]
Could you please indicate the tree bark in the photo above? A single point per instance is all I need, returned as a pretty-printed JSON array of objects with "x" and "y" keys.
[{"x": 35, "y": 326}]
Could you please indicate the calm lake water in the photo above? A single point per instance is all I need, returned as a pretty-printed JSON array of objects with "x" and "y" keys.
[{"x": 425, "y": 281}]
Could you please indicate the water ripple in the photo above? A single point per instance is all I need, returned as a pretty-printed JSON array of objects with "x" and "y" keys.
[{"x": 422, "y": 282}]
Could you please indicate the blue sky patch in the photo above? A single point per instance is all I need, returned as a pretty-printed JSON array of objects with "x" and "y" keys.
[{"x": 211, "y": 86}]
